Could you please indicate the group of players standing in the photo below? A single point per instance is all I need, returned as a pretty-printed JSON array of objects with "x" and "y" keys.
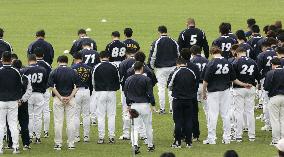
[{"x": 226, "y": 84}]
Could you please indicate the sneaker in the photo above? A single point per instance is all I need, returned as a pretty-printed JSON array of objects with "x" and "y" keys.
[
  {"x": 81, "y": 123},
  {"x": 188, "y": 146},
  {"x": 151, "y": 149},
  {"x": 251, "y": 139},
  {"x": 16, "y": 151},
  {"x": 125, "y": 138},
  {"x": 136, "y": 149},
  {"x": 71, "y": 146},
  {"x": 57, "y": 147},
  {"x": 195, "y": 140},
  {"x": 46, "y": 135},
  {"x": 26, "y": 147},
  {"x": 143, "y": 138},
  {"x": 176, "y": 144},
  {"x": 8, "y": 148},
  {"x": 239, "y": 140},
  {"x": 86, "y": 139},
  {"x": 146, "y": 141},
  {"x": 266, "y": 128},
  {"x": 111, "y": 141},
  {"x": 77, "y": 139},
  {"x": 273, "y": 143},
  {"x": 171, "y": 112},
  {"x": 101, "y": 141},
  {"x": 37, "y": 141},
  {"x": 94, "y": 123},
  {"x": 260, "y": 117},
  {"x": 245, "y": 130},
  {"x": 226, "y": 141},
  {"x": 207, "y": 141},
  {"x": 34, "y": 135},
  {"x": 162, "y": 111},
  {"x": 31, "y": 140}
]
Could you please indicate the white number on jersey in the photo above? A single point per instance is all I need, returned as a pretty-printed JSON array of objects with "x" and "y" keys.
[
  {"x": 247, "y": 69},
  {"x": 222, "y": 69},
  {"x": 201, "y": 66},
  {"x": 268, "y": 61},
  {"x": 248, "y": 52},
  {"x": 193, "y": 39},
  {"x": 118, "y": 52},
  {"x": 90, "y": 56},
  {"x": 36, "y": 77},
  {"x": 226, "y": 46}
]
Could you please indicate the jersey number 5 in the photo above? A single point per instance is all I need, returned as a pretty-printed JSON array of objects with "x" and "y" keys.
[
  {"x": 118, "y": 52},
  {"x": 222, "y": 69},
  {"x": 193, "y": 39}
]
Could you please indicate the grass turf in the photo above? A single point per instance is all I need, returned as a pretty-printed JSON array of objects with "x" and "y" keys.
[{"x": 61, "y": 19}]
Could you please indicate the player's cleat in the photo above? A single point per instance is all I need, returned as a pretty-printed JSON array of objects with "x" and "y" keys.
[
  {"x": 16, "y": 151},
  {"x": 46, "y": 135},
  {"x": 207, "y": 141},
  {"x": 26, "y": 147},
  {"x": 266, "y": 128},
  {"x": 151, "y": 149},
  {"x": 93, "y": 123},
  {"x": 239, "y": 140},
  {"x": 245, "y": 130},
  {"x": 37, "y": 141},
  {"x": 8, "y": 148},
  {"x": 195, "y": 140},
  {"x": 111, "y": 141},
  {"x": 71, "y": 146},
  {"x": 273, "y": 143},
  {"x": 251, "y": 139},
  {"x": 188, "y": 146},
  {"x": 124, "y": 138},
  {"x": 77, "y": 139},
  {"x": 162, "y": 111},
  {"x": 86, "y": 139},
  {"x": 233, "y": 138},
  {"x": 226, "y": 141},
  {"x": 143, "y": 138},
  {"x": 57, "y": 147},
  {"x": 260, "y": 117},
  {"x": 176, "y": 144},
  {"x": 81, "y": 123},
  {"x": 101, "y": 141},
  {"x": 34, "y": 135},
  {"x": 31, "y": 140},
  {"x": 136, "y": 149},
  {"x": 171, "y": 112}
]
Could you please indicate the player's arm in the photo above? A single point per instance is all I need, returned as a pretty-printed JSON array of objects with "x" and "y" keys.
[
  {"x": 125, "y": 90},
  {"x": 150, "y": 92},
  {"x": 207, "y": 75},
  {"x": 205, "y": 46},
  {"x": 51, "y": 52},
  {"x": 74, "y": 48},
  {"x": 152, "y": 55},
  {"x": 268, "y": 81},
  {"x": 28, "y": 86},
  {"x": 95, "y": 45},
  {"x": 170, "y": 81},
  {"x": 181, "y": 41}
]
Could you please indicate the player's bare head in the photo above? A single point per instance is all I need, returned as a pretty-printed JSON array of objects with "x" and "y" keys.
[
  {"x": 255, "y": 29},
  {"x": 128, "y": 32},
  {"x": 234, "y": 48},
  {"x": 40, "y": 33},
  {"x": 271, "y": 33},
  {"x": 77, "y": 57},
  {"x": 224, "y": 28},
  {"x": 265, "y": 44},
  {"x": 278, "y": 24},
  {"x": 272, "y": 41},
  {"x": 280, "y": 37},
  {"x": 231, "y": 153},
  {"x": 140, "y": 56},
  {"x": 32, "y": 58},
  {"x": 1, "y": 33},
  {"x": 265, "y": 29},
  {"x": 229, "y": 25},
  {"x": 251, "y": 22},
  {"x": 14, "y": 56},
  {"x": 275, "y": 62},
  {"x": 138, "y": 66},
  {"x": 240, "y": 51},
  {"x": 214, "y": 50},
  {"x": 17, "y": 64},
  {"x": 115, "y": 34},
  {"x": 86, "y": 44},
  {"x": 195, "y": 50},
  {"x": 162, "y": 29},
  {"x": 168, "y": 154},
  {"x": 6, "y": 57},
  {"x": 130, "y": 52},
  {"x": 241, "y": 35},
  {"x": 39, "y": 52},
  {"x": 280, "y": 50},
  {"x": 104, "y": 55},
  {"x": 180, "y": 61},
  {"x": 62, "y": 59},
  {"x": 190, "y": 22},
  {"x": 82, "y": 32},
  {"x": 185, "y": 53}
]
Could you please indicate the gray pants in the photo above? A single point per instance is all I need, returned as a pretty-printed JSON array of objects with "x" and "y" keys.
[{"x": 276, "y": 110}]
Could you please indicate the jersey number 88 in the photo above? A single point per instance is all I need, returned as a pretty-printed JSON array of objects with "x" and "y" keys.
[{"x": 118, "y": 52}]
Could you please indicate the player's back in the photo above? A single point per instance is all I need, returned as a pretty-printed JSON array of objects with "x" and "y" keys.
[
  {"x": 4, "y": 46},
  {"x": 84, "y": 73},
  {"x": 90, "y": 57},
  {"x": 247, "y": 48},
  {"x": 132, "y": 44},
  {"x": 37, "y": 76},
  {"x": 45, "y": 65},
  {"x": 116, "y": 50},
  {"x": 263, "y": 61},
  {"x": 191, "y": 36},
  {"x": 77, "y": 45},
  {"x": 225, "y": 43},
  {"x": 255, "y": 48},
  {"x": 201, "y": 62}
]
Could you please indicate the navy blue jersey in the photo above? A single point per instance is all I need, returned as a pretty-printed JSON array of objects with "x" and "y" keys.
[
  {"x": 201, "y": 62},
  {"x": 232, "y": 60},
  {"x": 146, "y": 71},
  {"x": 225, "y": 43},
  {"x": 246, "y": 71},
  {"x": 248, "y": 49},
  {"x": 123, "y": 67},
  {"x": 5, "y": 46},
  {"x": 193, "y": 36},
  {"x": 282, "y": 62},
  {"x": 84, "y": 73},
  {"x": 219, "y": 74},
  {"x": 263, "y": 61},
  {"x": 131, "y": 45},
  {"x": 232, "y": 35},
  {"x": 274, "y": 82},
  {"x": 45, "y": 46},
  {"x": 253, "y": 43},
  {"x": 38, "y": 77},
  {"x": 77, "y": 45},
  {"x": 116, "y": 50},
  {"x": 45, "y": 65},
  {"x": 90, "y": 57}
]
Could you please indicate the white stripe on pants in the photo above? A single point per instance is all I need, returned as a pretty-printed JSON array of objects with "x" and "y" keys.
[
  {"x": 106, "y": 106},
  {"x": 36, "y": 104},
  {"x": 46, "y": 111},
  {"x": 82, "y": 99},
  {"x": 205, "y": 105},
  {"x": 145, "y": 115},
  {"x": 218, "y": 102},
  {"x": 93, "y": 106},
  {"x": 59, "y": 109},
  {"x": 244, "y": 101},
  {"x": 162, "y": 77},
  {"x": 9, "y": 111},
  {"x": 276, "y": 109}
]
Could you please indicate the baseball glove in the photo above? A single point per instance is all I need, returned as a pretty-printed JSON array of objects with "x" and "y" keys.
[{"x": 133, "y": 113}]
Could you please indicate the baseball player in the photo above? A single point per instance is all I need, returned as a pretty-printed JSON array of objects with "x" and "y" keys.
[
  {"x": 163, "y": 53},
  {"x": 255, "y": 37},
  {"x": 82, "y": 97},
  {"x": 63, "y": 82},
  {"x": 4, "y": 45},
  {"x": 280, "y": 54},
  {"x": 138, "y": 91},
  {"x": 129, "y": 42},
  {"x": 105, "y": 79},
  {"x": 90, "y": 56},
  {"x": 218, "y": 77}
]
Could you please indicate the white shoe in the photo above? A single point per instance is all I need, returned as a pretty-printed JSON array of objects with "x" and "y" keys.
[
  {"x": 16, "y": 151},
  {"x": 251, "y": 139},
  {"x": 207, "y": 141},
  {"x": 86, "y": 139},
  {"x": 77, "y": 139},
  {"x": 226, "y": 141},
  {"x": 71, "y": 146},
  {"x": 123, "y": 137},
  {"x": 266, "y": 128}
]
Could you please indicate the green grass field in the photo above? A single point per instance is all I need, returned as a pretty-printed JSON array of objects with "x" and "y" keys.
[{"x": 62, "y": 18}]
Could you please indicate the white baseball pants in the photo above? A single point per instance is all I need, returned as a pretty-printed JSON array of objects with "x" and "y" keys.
[
  {"x": 205, "y": 105},
  {"x": 264, "y": 98},
  {"x": 46, "y": 111},
  {"x": 125, "y": 117},
  {"x": 276, "y": 109},
  {"x": 93, "y": 107}
]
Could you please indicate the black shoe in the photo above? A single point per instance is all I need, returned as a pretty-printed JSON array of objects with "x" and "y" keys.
[
  {"x": 136, "y": 149},
  {"x": 37, "y": 141},
  {"x": 162, "y": 111},
  {"x": 151, "y": 149},
  {"x": 111, "y": 141},
  {"x": 46, "y": 135},
  {"x": 57, "y": 147},
  {"x": 26, "y": 147},
  {"x": 8, "y": 148},
  {"x": 93, "y": 123},
  {"x": 188, "y": 145}
]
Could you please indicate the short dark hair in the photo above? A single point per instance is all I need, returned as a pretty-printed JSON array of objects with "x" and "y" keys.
[
  {"x": 272, "y": 41},
  {"x": 251, "y": 22},
  {"x": 280, "y": 153},
  {"x": 17, "y": 64},
  {"x": 241, "y": 35},
  {"x": 275, "y": 61},
  {"x": 130, "y": 51},
  {"x": 14, "y": 56},
  {"x": 1, "y": 32},
  {"x": 180, "y": 61},
  {"x": 240, "y": 50},
  {"x": 128, "y": 32},
  {"x": 38, "y": 51},
  {"x": 280, "y": 37},
  {"x": 6, "y": 56},
  {"x": 140, "y": 56},
  {"x": 255, "y": 29},
  {"x": 271, "y": 33},
  {"x": 32, "y": 57},
  {"x": 104, "y": 54},
  {"x": 138, "y": 65},
  {"x": 223, "y": 28},
  {"x": 86, "y": 43},
  {"x": 215, "y": 50},
  {"x": 235, "y": 47},
  {"x": 185, "y": 53},
  {"x": 40, "y": 33},
  {"x": 280, "y": 50},
  {"x": 162, "y": 29},
  {"x": 62, "y": 59},
  {"x": 81, "y": 31},
  {"x": 278, "y": 24},
  {"x": 265, "y": 43},
  {"x": 168, "y": 154},
  {"x": 231, "y": 153},
  {"x": 229, "y": 26},
  {"x": 195, "y": 49},
  {"x": 265, "y": 29},
  {"x": 78, "y": 55},
  {"x": 115, "y": 34}
]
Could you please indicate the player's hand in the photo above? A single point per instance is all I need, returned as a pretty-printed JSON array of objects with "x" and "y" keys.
[
  {"x": 259, "y": 87},
  {"x": 66, "y": 100},
  {"x": 248, "y": 86},
  {"x": 19, "y": 103},
  {"x": 154, "y": 109}
]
